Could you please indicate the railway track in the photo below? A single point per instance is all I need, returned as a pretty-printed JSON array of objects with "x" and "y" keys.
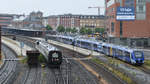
[
  {"x": 8, "y": 70},
  {"x": 32, "y": 76},
  {"x": 106, "y": 74},
  {"x": 85, "y": 76},
  {"x": 147, "y": 71},
  {"x": 64, "y": 74}
]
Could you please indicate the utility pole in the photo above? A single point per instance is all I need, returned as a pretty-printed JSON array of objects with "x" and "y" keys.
[
  {"x": 99, "y": 9},
  {"x": 0, "y": 44}
]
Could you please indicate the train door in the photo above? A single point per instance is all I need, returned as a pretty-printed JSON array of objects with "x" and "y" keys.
[
  {"x": 127, "y": 56},
  {"x": 113, "y": 52},
  {"x": 120, "y": 54},
  {"x": 95, "y": 47}
]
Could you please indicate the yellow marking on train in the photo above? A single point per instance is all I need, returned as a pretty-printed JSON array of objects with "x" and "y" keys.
[{"x": 111, "y": 51}]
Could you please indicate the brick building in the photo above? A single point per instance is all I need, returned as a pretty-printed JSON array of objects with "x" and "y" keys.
[
  {"x": 51, "y": 20},
  {"x": 137, "y": 30},
  {"x": 77, "y": 21},
  {"x": 69, "y": 20},
  {"x": 6, "y": 19}
]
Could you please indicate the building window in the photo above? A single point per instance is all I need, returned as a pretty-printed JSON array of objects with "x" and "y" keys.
[
  {"x": 129, "y": 3},
  {"x": 112, "y": 27},
  {"x": 140, "y": 8}
]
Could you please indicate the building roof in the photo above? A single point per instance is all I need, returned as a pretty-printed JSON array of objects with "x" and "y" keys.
[
  {"x": 78, "y": 16},
  {"x": 7, "y": 15}
]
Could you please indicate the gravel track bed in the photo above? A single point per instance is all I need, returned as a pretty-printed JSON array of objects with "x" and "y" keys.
[{"x": 8, "y": 70}]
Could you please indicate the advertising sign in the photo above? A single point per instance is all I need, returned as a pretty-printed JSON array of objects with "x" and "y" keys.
[{"x": 125, "y": 13}]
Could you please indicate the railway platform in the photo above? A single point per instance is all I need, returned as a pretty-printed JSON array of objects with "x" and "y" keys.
[{"x": 15, "y": 45}]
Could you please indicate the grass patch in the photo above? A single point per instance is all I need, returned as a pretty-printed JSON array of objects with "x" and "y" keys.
[
  {"x": 116, "y": 72},
  {"x": 41, "y": 58},
  {"x": 24, "y": 61},
  {"x": 147, "y": 64}
]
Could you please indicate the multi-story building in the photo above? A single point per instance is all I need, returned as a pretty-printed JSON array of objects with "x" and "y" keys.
[
  {"x": 34, "y": 20},
  {"x": 69, "y": 20},
  {"x": 139, "y": 27},
  {"x": 77, "y": 21},
  {"x": 6, "y": 19},
  {"x": 18, "y": 21},
  {"x": 92, "y": 21},
  {"x": 53, "y": 21},
  {"x": 136, "y": 26}
]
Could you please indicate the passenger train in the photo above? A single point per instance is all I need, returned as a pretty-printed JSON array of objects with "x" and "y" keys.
[
  {"x": 52, "y": 55},
  {"x": 132, "y": 56}
]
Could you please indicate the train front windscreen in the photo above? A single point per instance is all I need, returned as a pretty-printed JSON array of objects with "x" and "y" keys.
[{"x": 138, "y": 54}]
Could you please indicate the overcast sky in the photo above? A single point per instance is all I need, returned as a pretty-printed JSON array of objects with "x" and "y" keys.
[{"x": 50, "y": 7}]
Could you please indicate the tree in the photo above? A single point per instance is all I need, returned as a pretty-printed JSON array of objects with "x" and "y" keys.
[
  {"x": 83, "y": 30},
  {"x": 61, "y": 29},
  {"x": 74, "y": 30},
  {"x": 68, "y": 29},
  {"x": 89, "y": 31},
  {"x": 48, "y": 27},
  {"x": 99, "y": 30}
]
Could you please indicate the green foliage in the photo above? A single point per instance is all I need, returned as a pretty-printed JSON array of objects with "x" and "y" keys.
[
  {"x": 146, "y": 64},
  {"x": 24, "y": 60},
  {"x": 68, "y": 29},
  {"x": 114, "y": 71},
  {"x": 61, "y": 29},
  {"x": 74, "y": 30},
  {"x": 41, "y": 58},
  {"x": 48, "y": 27},
  {"x": 89, "y": 31},
  {"x": 83, "y": 31},
  {"x": 99, "y": 30}
]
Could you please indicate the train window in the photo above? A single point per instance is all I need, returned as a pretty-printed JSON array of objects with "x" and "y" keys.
[
  {"x": 105, "y": 48},
  {"x": 113, "y": 50},
  {"x": 95, "y": 45},
  {"x": 120, "y": 52},
  {"x": 138, "y": 54},
  {"x": 127, "y": 54},
  {"x": 78, "y": 42},
  {"x": 55, "y": 55}
]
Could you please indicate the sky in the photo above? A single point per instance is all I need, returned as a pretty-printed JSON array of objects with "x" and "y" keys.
[{"x": 51, "y": 7}]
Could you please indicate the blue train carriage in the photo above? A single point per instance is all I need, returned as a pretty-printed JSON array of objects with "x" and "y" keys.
[
  {"x": 136, "y": 56},
  {"x": 107, "y": 49},
  {"x": 88, "y": 44},
  {"x": 97, "y": 46},
  {"x": 126, "y": 54},
  {"x": 133, "y": 56},
  {"x": 68, "y": 40}
]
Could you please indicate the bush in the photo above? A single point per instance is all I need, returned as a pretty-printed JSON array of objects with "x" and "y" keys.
[
  {"x": 24, "y": 60},
  {"x": 41, "y": 58}
]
